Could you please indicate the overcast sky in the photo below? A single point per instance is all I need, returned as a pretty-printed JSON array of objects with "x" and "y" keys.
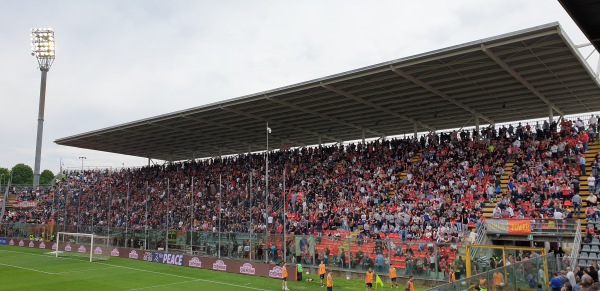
[{"x": 120, "y": 61}]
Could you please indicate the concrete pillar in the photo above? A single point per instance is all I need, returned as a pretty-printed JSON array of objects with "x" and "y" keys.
[
  {"x": 416, "y": 130},
  {"x": 363, "y": 135},
  {"x": 320, "y": 140},
  {"x": 550, "y": 114},
  {"x": 476, "y": 137}
]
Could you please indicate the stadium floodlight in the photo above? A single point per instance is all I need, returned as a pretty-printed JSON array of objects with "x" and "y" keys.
[{"x": 43, "y": 48}]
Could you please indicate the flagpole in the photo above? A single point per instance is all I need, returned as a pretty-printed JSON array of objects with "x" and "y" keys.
[
  {"x": 251, "y": 228},
  {"x": 192, "y": 224},
  {"x": 284, "y": 203},
  {"x": 167, "y": 222},
  {"x": 219, "y": 230},
  {"x": 146, "y": 220},
  {"x": 109, "y": 206},
  {"x": 127, "y": 220},
  {"x": 267, "y": 197}
]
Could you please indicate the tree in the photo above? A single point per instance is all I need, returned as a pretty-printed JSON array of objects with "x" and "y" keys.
[
  {"x": 22, "y": 175},
  {"x": 5, "y": 173},
  {"x": 46, "y": 177}
]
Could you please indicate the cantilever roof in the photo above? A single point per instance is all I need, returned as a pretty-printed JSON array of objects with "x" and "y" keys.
[
  {"x": 510, "y": 77},
  {"x": 586, "y": 14}
]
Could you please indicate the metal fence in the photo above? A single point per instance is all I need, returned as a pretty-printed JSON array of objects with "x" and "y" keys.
[
  {"x": 347, "y": 252},
  {"x": 527, "y": 274}
]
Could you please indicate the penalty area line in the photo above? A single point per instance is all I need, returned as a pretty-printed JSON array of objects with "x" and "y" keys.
[
  {"x": 28, "y": 269},
  {"x": 185, "y": 277},
  {"x": 141, "y": 270},
  {"x": 164, "y": 285}
]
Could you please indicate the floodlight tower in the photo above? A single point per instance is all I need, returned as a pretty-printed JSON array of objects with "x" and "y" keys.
[{"x": 42, "y": 47}]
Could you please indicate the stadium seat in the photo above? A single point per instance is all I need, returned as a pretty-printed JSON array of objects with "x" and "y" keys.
[
  {"x": 583, "y": 255},
  {"x": 586, "y": 248},
  {"x": 595, "y": 248}
]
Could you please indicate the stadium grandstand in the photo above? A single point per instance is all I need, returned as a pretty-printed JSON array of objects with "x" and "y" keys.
[{"x": 401, "y": 164}]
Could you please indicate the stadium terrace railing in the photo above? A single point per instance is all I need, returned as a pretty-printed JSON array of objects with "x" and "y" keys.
[
  {"x": 347, "y": 252},
  {"x": 526, "y": 274}
]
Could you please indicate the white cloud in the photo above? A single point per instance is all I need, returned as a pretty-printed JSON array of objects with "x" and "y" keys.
[{"x": 119, "y": 61}]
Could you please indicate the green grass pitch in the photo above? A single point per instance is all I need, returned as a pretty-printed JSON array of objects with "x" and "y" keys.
[{"x": 35, "y": 269}]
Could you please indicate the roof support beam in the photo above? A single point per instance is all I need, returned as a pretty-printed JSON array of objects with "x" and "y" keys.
[
  {"x": 324, "y": 116},
  {"x": 518, "y": 77},
  {"x": 373, "y": 105},
  {"x": 254, "y": 134},
  {"x": 295, "y": 128},
  {"x": 218, "y": 149},
  {"x": 437, "y": 92}
]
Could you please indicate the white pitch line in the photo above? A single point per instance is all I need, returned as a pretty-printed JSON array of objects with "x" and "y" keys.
[
  {"x": 163, "y": 285},
  {"x": 184, "y": 277},
  {"x": 83, "y": 270},
  {"x": 28, "y": 269},
  {"x": 148, "y": 271}
]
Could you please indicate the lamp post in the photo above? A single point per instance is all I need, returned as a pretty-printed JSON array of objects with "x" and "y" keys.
[{"x": 42, "y": 47}]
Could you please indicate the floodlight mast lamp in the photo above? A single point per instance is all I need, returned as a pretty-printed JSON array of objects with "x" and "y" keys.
[{"x": 42, "y": 47}]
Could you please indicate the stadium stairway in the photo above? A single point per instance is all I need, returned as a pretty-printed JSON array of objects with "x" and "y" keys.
[
  {"x": 416, "y": 158},
  {"x": 584, "y": 190},
  {"x": 589, "y": 252},
  {"x": 10, "y": 201},
  {"x": 489, "y": 207}
]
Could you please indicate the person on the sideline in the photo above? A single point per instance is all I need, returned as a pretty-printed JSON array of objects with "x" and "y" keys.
[
  {"x": 393, "y": 276},
  {"x": 329, "y": 281},
  {"x": 369, "y": 278},
  {"x": 410, "y": 284},
  {"x": 322, "y": 272},
  {"x": 284, "y": 276}
]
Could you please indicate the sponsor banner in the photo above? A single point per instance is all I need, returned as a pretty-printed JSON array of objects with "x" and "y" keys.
[
  {"x": 3, "y": 241},
  {"x": 219, "y": 265},
  {"x": 194, "y": 262},
  {"x": 247, "y": 269},
  {"x": 25, "y": 204},
  {"x": 114, "y": 252},
  {"x": 133, "y": 255},
  {"x": 508, "y": 226},
  {"x": 147, "y": 256},
  {"x": 169, "y": 259},
  {"x": 276, "y": 272},
  {"x": 98, "y": 251}
]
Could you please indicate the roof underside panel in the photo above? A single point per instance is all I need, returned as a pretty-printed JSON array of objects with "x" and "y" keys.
[{"x": 506, "y": 78}]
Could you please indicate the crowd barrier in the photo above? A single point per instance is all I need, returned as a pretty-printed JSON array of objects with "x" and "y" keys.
[{"x": 343, "y": 251}]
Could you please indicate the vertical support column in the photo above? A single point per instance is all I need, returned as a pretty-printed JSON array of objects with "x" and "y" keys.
[
  {"x": 362, "y": 133},
  {"x": 415, "y": 130},
  {"x": 476, "y": 137},
  {"x": 550, "y": 114},
  {"x": 149, "y": 162},
  {"x": 249, "y": 148},
  {"x": 320, "y": 140}
]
